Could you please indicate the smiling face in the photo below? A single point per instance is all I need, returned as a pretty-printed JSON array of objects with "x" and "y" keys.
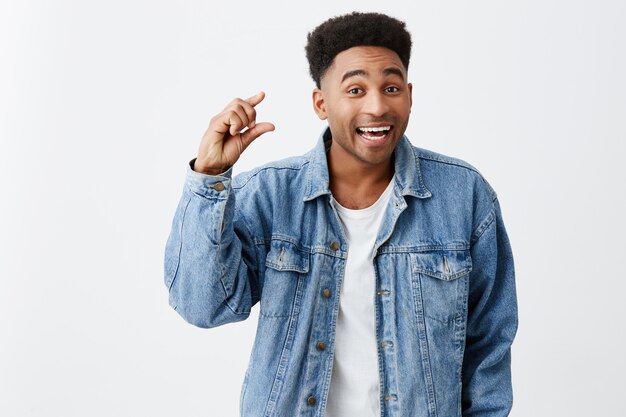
[{"x": 366, "y": 99}]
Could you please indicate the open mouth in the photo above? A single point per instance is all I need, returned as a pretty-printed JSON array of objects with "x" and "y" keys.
[{"x": 374, "y": 133}]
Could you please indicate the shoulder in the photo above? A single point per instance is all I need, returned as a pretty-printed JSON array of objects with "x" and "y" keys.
[
  {"x": 280, "y": 170},
  {"x": 460, "y": 185},
  {"x": 436, "y": 164}
]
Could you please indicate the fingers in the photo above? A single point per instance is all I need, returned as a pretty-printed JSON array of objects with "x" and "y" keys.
[
  {"x": 241, "y": 113},
  {"x": 251, "y": 134},
  {"x": 238, "y": 115},
  {"x": 234, "y": 122},
  {"x": 229, "y": 133},
  {"x": 237, "y": 120},
  {"x": 256, "y": 99}
]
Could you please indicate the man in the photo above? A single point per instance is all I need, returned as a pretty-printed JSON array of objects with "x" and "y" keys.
[{"x": 383, "y": 271}]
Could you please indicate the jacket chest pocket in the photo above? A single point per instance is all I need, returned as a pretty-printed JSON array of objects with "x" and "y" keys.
[
  {"x": 286, "y": 264},
  {"x": 440, "y": 282}
]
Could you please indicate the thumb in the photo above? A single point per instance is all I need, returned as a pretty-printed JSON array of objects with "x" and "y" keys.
[{"x": 258, "y": 129}]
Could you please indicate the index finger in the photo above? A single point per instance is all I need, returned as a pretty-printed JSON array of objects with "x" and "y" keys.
[{"x": 255, "y": 99}]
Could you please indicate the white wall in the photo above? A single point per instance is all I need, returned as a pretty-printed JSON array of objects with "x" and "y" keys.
[{"x": 102, "y": 104}]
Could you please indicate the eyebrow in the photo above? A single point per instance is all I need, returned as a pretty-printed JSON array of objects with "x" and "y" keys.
[
  {"x": 395, "y": 71},
  {"x": 362, "y": 73}
]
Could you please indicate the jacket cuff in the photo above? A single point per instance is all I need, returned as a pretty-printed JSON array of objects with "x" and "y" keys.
[{"x": 210, "y": 186}]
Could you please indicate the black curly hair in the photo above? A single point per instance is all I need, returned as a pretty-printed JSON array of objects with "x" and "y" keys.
[{"x": 355, "y": 29}]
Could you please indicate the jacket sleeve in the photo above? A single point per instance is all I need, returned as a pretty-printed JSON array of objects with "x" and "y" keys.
[
  {"x": 492, "y": 322},
  {"x": 210, "y": 265}
]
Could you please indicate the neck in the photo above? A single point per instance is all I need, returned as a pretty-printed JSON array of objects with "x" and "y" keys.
[{"x": 357, "y": 184}]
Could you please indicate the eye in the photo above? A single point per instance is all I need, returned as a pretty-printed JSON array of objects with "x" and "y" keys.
[
  {"x": 392, "y": 89},
  {"x": 354, "y": 91}
]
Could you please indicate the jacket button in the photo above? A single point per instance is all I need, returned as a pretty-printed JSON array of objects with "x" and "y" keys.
[
  {"x": 321, "y": 346},
  {"x": 334, "y": 245},
  {"x": 311, "y": 400},
  {"x": 219, "y": 186},
  {"x": 327, "y": 292}
]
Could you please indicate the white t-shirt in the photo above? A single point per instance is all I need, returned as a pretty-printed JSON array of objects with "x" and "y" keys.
[{"x": 355, "y": 384}]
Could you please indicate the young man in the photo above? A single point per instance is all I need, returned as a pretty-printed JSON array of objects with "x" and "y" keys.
[{"x": 383, "y": 271}]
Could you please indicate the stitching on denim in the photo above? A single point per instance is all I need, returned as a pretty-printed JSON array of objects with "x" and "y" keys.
[
  {"x": 309, "y": 251},
  {"x": 325, "y": 251},
  {"x": 209, "y": 195},
  {"x": 439, "y": 275},
  {"x": 461, "y": 328},
  {"x": 180, "y": 246},
  {"x": 303, "y": 254},
  {"x": 462, "y": 164},
  {"x": 385, "y": 249},
  {"x": 484, "y": 225},
  {"x": 246, "y": 224},
  {"x": 273, "y": 315},
  {"x": 284, "y": 238},
  {"x": 244, "y": 179},
  {"x": 223, "y": 272},
  {"x": 420, "y": 322},
  {"x": 418, "y": 168},
  {"x": 458, "y": 163},
  {"x": 283, "y": 363},
  {"x": 238, "y": 313}
]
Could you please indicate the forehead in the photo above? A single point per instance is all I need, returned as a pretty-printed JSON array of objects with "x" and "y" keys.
[{"x": 371, "y": 59}]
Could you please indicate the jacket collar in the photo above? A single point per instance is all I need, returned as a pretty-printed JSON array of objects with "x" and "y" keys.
[{"x": 408, "y": 174}]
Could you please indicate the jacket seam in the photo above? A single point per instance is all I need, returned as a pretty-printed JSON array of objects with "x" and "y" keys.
[
  {"x": 448, "y": 162},
  {"x": 418, "y": 168},
  {"x": 484, "y": 225},
  {"x": 461, "y": 164},
  {"x": 180, "y": 246},
  {"x": 222, "y": 274},
  {"x": 247, "y": 178}
]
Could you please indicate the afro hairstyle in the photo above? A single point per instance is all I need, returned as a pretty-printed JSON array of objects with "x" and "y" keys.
[{"x": 355, "y": 29}]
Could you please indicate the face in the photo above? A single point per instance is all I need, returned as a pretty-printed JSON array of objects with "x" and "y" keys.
[{"x": 366, "y": 99}]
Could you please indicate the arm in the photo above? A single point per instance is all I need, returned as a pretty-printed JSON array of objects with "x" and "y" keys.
[
  {"x": 492, "y": 322},
  {"x": 209, "y": 265},
  {"x": 210, "y": 260}
]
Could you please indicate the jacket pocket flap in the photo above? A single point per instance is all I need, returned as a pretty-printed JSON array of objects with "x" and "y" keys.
[
  {"x": 447, "y": 265},
  {"x": 286, "y": 256}
]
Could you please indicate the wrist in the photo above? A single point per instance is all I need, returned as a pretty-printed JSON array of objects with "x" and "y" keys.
[{"x": 207, "y": 170}]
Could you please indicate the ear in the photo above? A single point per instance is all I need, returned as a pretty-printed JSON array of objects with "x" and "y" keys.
[
  {"x": 410, "y": 95},
  {"x": 318, "y": 104}
]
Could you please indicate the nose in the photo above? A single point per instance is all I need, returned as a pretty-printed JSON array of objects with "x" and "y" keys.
[{"x": 375, "y": 103}]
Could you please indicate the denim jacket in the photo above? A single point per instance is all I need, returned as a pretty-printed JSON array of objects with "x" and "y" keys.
[{"x": 445, "y": 304}]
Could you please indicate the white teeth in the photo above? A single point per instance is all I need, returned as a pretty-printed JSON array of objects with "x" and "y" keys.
[
  {"x": 373, "y": 138},
  {"x": 375, "y": 129},
  {"x": 362, "y": 131}
]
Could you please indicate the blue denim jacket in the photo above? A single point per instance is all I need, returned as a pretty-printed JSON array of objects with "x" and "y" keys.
[{"x": 445, "y": 305}]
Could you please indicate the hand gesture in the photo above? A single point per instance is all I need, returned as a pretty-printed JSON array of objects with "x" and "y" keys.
[{"x": 225, "y": 138}]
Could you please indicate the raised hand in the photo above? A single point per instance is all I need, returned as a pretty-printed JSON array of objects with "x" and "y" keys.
[{"x": 225, "y": 138}]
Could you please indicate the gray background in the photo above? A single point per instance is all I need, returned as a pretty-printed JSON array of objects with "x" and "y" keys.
[{"x": 103, "y": 104}]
